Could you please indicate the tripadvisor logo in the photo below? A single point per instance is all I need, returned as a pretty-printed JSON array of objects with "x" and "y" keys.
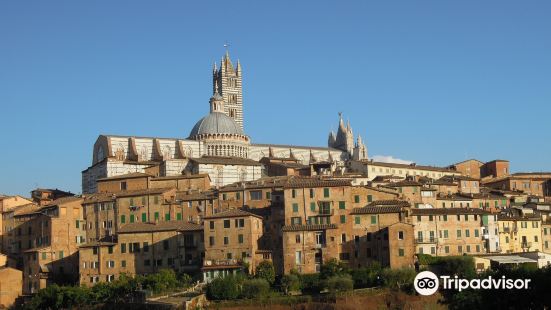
[{"x": 426, "y": 283}]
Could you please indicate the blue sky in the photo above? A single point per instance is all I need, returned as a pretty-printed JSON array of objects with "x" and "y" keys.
[{"x": 433, "y": 82}]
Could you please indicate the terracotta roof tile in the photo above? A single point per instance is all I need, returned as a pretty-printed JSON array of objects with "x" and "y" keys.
[
  {"x": 158, "y": 227},
  {"x": 308, "y": 227},
  {"x": 377, "y": 210}
]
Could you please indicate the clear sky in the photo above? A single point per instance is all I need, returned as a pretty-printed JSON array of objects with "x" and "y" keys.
[{"x": 434, "y": 82}]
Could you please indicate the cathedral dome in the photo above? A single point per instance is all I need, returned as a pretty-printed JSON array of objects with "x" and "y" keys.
[{"x": 216, "y": 123}]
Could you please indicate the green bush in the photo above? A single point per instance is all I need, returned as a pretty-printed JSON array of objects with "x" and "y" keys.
[
  {"x": 339, "y": 283},
  {"x": 226, "y": 288},
  {"x": 310, "y": 283},
  {"x": 365, "y": 277},
  {"x": 255, "y": 288},
  {"x": 401, "y": 279},
  {"x": 265, "y": 270},
  {"x": 333, "y": 268},
  {"x": 290, "y": 282}
]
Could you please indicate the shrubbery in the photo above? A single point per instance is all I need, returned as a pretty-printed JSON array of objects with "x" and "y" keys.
[
  {"x": 224, "y": 288},
  {"x": 290, "y": 282},
  {"x": 255, "y": 288},
  {"x": 339, "y": 283},
  {"x": 58, "y": 297},
  {"x": 265, "y": 270}
]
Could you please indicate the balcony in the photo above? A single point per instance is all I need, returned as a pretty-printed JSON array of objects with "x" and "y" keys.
[
  {"x": 320, "y": 245},
  {"x": 325, "y": 212},
  {"x": 486, "y": 236},
  {"x": 426, "y": 240},
  {"x": 526, "y": 245}
]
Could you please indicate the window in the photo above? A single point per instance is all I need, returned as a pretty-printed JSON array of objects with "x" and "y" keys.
[
  {"x": 326, "y": 192},
  {"x": 445, "y": 218},
  {"x": 77, "y": 225},
  {"x": 357, "y": 220},
  {"x": 342, "y": 205},
  {"x": 238, "y": 196},
  {"x": 357, "y": 198},
  {"x": 459, "y": 233},
  {"x": 311, "y": 193},
  {"x": 296, "y": 221},
  {"x": 460, "y": 248},
  {"x": 43, "y": 255},
  {"x": 123, "y": 219},
  {"x": 368, "y": 236},
  {"x": 373, "y": 219},
  {"x": 535, "y": 238},
  {"x": 344, "y": 256},
  {"x": 240, "y": 238},
  {"x": 226, "y": 223},
  {"x": 167, "y": 217},
  {"x": 295, "y": 207},
  {"x": 476, "y": 232},
  {"x": 446, "y": 233},
  {"x": 211, "y": 224},
  {"x": 166, "y": 244},
  {"x": 256, "y": 195},
  {"x": 131, "y": 218},
  {"x": 343, "y": 238},
  {"x": 95, "y": 250},
  {"x": 478, "y": 248},
  {"x": 145, "y": 247},
  {"x": 144, "y": 217},
  {"x": 60, "y": 254},
  {"x": 211, "y": 241},
  {"x": 123, "y": 186},
  {"x": 400, "y": 235},
  {"x": 294, "y": 193},
  {"x": 110, "y": 249},
  {"x": 343, "y": 219},
  {"x": 401, "y": 252},
  {"x": 431, "y": 218},
  {"x": 369, "y": 198},
  {"x": 268, "y": 195},
  {"x": 226, "y": 240},
  {"x": 179, "y": 216},
  {"x": 298, "y": 257},
  {"x": 467, "y": 233},
  {"x": 447, "y": 249},
  {"x": 123, "y": 263},
  {"x": 297, "y": 238},
  {"x": 468, "y": 248},
  {"x": 123, "y": 247},
  {"x": 312, "y": 206}
]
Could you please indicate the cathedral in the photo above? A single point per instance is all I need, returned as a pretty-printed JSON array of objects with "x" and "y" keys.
[{"x": 217, "y": 144}]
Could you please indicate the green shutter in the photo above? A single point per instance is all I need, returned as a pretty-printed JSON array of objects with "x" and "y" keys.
[
  {"x": 342, "y": 205},
  {"x": 373, "y": 219},
  {"x": 78, "y": 223},
  {"x": 357, "y": 220},
  {"x": 356, "y": 199},
  {"x": 131, "y": 218},
  {"x": 326, "y": 192},
  {"x": 312, "y": 206},
  {"x": 343, "y": 219},
  {"x": 167, "y": 217},
  {"x": 156, "y": 216},
  {"x": 144, "y": 217},
  {"x": 123, "y": 219},
  {"x": 295, "y": 207},
  {"x": 179, "y": 216},
  {"x": 369, "y": 198}
]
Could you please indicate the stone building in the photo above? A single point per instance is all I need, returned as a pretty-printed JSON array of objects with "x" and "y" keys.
[
  {"x": 449, "y": 231},
  {"x": 219, "y": 134},
  {"x": 520, "y": 232},
  {"x": 374, "y": 169},
  {"x": 53, "y": 235},
  {"x": 11, "y": 284},
  {"x": 530, "y": 183},
  {"x": 232, "y": 238},
  {"x": 143, "y": 248}
]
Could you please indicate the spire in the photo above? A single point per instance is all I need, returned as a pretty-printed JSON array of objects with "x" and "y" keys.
[
  {"x": 291, "y": 154},
  {"x": 216, "y": 103},
  {"x": 360, "y": 140},
  {"x": 270, "y": 152},
  {"x": 312, "y": 157},
  {"x": 238, "y": 70},
  {"x": 214, "y": 68}
]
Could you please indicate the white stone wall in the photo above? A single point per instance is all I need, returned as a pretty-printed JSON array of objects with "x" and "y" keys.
[
  {"x": 226, "y": 174},
  {"x": 373, "y": 170},
  {"x": 492, "y": 231},
  {"x": 301, "y": 152}
]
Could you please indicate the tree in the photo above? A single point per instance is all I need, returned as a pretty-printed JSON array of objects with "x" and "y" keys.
[
  {"x": 225, "y": 288},
  {"x": 333, "y": 268},
  {"x": 339, "y": 283},
  {"x": 265, "y": 270},
  {"x": 255, "y": 288},
  {"x": 289, "y": 283}
]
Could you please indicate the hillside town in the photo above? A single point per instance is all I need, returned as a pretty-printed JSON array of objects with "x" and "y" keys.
[{"x": 214, "y": 204}]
